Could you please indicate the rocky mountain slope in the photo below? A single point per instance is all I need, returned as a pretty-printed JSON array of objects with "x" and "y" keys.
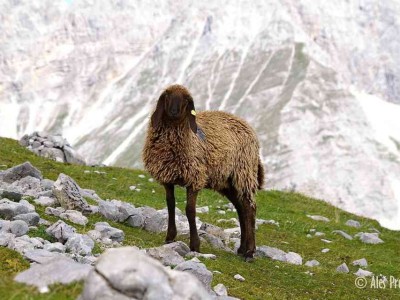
[
  {"x": 306, "y": 248},
  {"x": 318, "y": 81}
]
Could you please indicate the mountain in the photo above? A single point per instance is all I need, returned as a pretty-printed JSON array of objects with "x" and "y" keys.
[{"x": 320, "y": 83}]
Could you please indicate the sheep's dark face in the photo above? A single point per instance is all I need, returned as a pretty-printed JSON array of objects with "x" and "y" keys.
[{"x": 175, "y": 105}]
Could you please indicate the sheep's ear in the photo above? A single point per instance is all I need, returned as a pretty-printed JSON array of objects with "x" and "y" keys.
[
  {"x": 158, "y": 113},
  {"x": 192, "y": 115}
]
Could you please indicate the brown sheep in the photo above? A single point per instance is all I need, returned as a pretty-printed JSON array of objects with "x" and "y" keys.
[{"x": 211, "y": 149}]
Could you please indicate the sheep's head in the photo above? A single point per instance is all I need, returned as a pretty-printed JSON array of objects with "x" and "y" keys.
[{"x": 175, "y": 105}]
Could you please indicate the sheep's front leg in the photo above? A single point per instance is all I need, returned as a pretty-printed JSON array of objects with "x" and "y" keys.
[
  {"x": 171, "y": 232},
  {"x": 191, "y": 196}
]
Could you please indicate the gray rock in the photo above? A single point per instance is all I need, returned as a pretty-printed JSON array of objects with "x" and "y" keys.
[
  {"x": 36, "y": 144},
  {"x": 5, "y": 238},
  {"x": 23, "y": 244},
  {"x": 89, "y": 260},
  {"x": 24, "y": 141},
  {"x": 232, "y": 232},
  {"x": 192, "y": 289},
  {"x": 312, "y": 263},
  {"x": 53, "y": 153},
  {"x": 48, "y": 193},
  {"x": 294, "y": 258},
  {"x": 4, "y": 226},
  {"x": 28, "y": 186},
  {"x": 55, "y": 247},
  {"x": 10, "y": 192},
  {"x": 86, "y": 193},
  {"x": 214, "y": 241},
  {"x": 199, "y": 270},
  {"x": 80, "y": 244},
  {"x": 127, "y": 273},
  {"x": 41, "y": 256},
  {"x": 192, "y": 254},
  {"x": 369, "y": 238},
  {"x": 19, "y": 228},
  {"x": 239, "y": 277},
  {"x": 75, "y": 217},
  {"x": 319, "y": 234},
  {"x": 262, "y": 222},
  {"x": 363, "y": 273},
  {"x": 44, "y": 222},
  {"x": 10, "y": 209},
  {"x": 73, "y": 157},
  {"x": 342, "y": 268},
  {"x": 107, "y": 231},
  {"x": 214, "y": 230},
  {"x": 326, "y": 241},
  {"x": 58, "y": 270},
  {"x": 179, "y": 247},
  {"x": 271, "y": 252},
  {"x": 32, "y": 219},
  {"x": 48, "y": 144},
  {"x": 61, "y": 231},
  {"x": 326, "y": 250},
  {"x": 318, "y": 218},
  {"x": 116, "y": 210},
  {"x": 202, "y": 210},
  {"x": 68, "y": 194},
  {"x": 29, "y": 206},
  {"x": 94, "y": 209},
  {"x": 343, "y": 234},
  {"x": 166, "y": 256},
  {"x": 58, "y": 141},
  {"x": 136, "y": 220},
  {"x": 353, "y": 223},
  {"x": 54, "y": 211},
  {"x": 220, "y": 290},
  {"x": 97, "y": 287},
  {"x": 19, "y": 172},
  {"x": 47, "y": 184},
  {"x": 94, "y": 235},
  {"x": 46, "y": 201},
  {"x": 361, "y": 262}
]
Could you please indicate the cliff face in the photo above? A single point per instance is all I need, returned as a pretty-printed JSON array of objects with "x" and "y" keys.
[{"x": 318, "y": 81}]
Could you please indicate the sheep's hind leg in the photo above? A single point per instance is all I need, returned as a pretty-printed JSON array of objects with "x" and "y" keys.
[
  {"x": 191, "y": 215},
  {"x": 250, "y": 219},
  {"x": 171, "y": 232},
  {"x": 231, "y": 194}
]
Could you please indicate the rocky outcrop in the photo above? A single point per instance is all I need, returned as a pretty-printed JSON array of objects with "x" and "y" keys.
[
  {"x": 68, "y": 194},
  {"x": 127, "y": 273},
  {"x": 52, "y": 146}
]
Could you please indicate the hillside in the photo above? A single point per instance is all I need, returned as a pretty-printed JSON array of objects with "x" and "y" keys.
[
  {"x": 319, "y": 82},
  {"x": 265, "y": 278}
]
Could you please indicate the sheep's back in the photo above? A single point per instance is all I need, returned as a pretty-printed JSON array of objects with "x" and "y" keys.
[{"x": 232, "y": 149}]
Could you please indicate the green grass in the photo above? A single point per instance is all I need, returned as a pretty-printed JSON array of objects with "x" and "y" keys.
[{"x": 265, "y": 279}]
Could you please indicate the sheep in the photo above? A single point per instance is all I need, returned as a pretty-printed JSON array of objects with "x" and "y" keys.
[{"x": 211, "y": 149}]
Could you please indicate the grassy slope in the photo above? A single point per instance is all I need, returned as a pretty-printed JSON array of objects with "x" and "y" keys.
[{"x": 265, "y": 279}]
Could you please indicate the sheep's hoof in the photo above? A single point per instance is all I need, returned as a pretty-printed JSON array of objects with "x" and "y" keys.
[
  {"x": 195, "y": 246},
  {"x": 249, "y": 256},
  {"x": 249, "y": 259}
]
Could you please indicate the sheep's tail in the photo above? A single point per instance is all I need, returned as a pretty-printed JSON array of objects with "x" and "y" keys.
[{"x": 260, "y": 174}]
